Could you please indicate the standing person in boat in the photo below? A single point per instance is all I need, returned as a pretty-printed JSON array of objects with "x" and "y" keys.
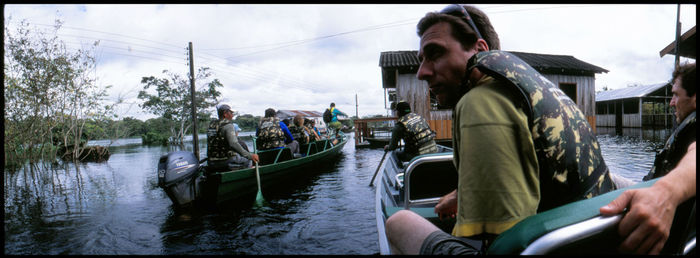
[
  {"x": 298, "y": 131},
  {"x": 223, "y": 148},
  {"x": 647, "y": 224},
  {"x": 335, "y": 124},
  {"x": 274, "y": 134},
  {"x": 415, "y": 132},
  {"x": 521, "y": 146}
]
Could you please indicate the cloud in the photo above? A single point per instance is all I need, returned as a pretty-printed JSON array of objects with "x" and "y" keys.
[{"x": 306, "y": 56}]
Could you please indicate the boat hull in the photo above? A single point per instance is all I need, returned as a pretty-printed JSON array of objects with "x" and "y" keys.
[{"x": 224, "y": 186}]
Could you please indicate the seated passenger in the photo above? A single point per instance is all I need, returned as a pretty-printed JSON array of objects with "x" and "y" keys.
[
  {"x": 311, "y": 130},
  {"x": 298, "y": 130},
  {"x": 273, "y": 134},
  {"x": 414, "y": 131},
  {"x": 223, "y": 148}
]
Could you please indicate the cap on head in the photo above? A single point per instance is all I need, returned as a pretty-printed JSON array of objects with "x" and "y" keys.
[
  {"x": 220, "y": 109},
  {"x": 403, "y": 108}
]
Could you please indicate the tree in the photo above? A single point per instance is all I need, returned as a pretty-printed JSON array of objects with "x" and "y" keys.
[
  {"x": 49, "y": 94},
  {"x": 172, "y": 100}
]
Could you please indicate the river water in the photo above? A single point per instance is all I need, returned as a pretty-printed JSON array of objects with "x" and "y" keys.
[{"x": 116, "y": 207}]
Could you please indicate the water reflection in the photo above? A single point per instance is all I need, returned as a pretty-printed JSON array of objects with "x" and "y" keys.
[
  {"x": 649, "y": 134},
  {"x": 116, "y": 207}
]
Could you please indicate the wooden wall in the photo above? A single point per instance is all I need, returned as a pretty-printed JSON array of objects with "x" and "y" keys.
[
  {"x": 585, "y": 90},
  {"x": 415, "y": 92}
]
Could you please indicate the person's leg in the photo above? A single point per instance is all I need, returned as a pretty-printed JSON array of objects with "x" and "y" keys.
[{"x": 406, "y": 231}]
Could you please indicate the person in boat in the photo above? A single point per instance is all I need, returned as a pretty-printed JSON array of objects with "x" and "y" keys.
[
  {"x": 521, "y": 146},
  {"x": 240, "y": 141},
  {"x": 415, "y": 132},
  {"x": 223, "y": 148},
  {"x": 274, "y": 134},
  {"x": 335, "y": 124},
  {"x": 310, "y": 127},
  {"x": 298, "y": 130},
  {"x": 647, "y": 224}
]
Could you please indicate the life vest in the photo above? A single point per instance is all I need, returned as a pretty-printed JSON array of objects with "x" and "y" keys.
[
  {"x": 217, "y": 146},
  {"x": 571, "y": 166},
  {"x": 298, "y": 133},
  {"x": 418, "y": 136},
  {"x": 270, "y": 134},
  {"x": 675, "y": 148}
]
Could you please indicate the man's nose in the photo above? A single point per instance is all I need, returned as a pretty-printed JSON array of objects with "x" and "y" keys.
[{"x": 424, "y": 71}]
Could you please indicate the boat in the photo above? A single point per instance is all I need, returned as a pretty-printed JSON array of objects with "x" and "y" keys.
[
  {"x": 186, "y": 181},
  {"x": 377, "y": 142},
  {"x": 574, "y": 228}
]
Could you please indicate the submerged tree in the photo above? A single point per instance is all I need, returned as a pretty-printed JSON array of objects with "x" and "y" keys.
[
  {"x": 49, "y": 94},
  {"x": 173, "y": 100}
]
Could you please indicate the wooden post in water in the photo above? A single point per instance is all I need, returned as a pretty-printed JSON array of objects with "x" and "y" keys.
[{"x": 195, "y": 141}]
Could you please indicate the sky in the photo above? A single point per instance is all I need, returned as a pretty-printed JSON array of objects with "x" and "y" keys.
[{"x": 305, "y": 56}]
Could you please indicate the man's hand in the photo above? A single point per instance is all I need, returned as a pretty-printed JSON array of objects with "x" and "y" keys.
[
  {"x": 255, "y": 158},
  {"x": 647, "y": 224},
  {"x": 447, "y": 205}
]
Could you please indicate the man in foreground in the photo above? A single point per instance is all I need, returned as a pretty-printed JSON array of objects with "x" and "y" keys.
[{"x": 521, "y": 146}]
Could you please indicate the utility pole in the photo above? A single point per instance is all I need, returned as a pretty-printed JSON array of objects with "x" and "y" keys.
[
  {"x": 195, "y": 141},
  {"x": 678, "y": 36},
  {"x": 356, "y": 115}
]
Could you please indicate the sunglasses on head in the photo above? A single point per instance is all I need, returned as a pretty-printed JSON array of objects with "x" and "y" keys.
[{"x": 459, "y": 11}]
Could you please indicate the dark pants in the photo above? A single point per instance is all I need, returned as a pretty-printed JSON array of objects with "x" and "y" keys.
[{"x": 235, "y": 162}]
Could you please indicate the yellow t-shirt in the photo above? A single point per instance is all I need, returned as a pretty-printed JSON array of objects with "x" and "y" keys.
[{"x": 496, "y": 161}]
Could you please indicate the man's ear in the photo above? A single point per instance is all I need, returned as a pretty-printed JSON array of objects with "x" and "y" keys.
[{"x": 481, "y": 45}]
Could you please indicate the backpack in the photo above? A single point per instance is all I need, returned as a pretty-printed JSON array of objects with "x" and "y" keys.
[{"x": 327, "y": 116}]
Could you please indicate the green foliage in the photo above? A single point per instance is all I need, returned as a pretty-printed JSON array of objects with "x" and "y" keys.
[
  {"x": 151, "y": 138},
  {"x": 172, "y": 99},
  {"x": 50, "y": 93},
  {"x": 247, "y": 122}
]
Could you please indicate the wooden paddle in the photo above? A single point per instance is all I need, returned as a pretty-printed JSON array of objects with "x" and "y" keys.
[
  {"x": 259, "y": 198},
  {"x": 380, "y": 165}
]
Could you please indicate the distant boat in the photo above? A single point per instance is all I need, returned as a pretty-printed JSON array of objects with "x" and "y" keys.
[
  {"x": 186, "y": 181},
  {"x": 574, "y": 228}
]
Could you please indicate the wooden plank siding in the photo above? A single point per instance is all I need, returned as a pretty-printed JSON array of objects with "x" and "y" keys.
[
  {"x": 442, "y": 128},
  {"x": 585, "y": 90},
  {"x": 415, "y": 92}
]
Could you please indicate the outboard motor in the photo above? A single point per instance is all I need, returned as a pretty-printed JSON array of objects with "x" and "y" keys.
[{"x": 177, "y": 176}]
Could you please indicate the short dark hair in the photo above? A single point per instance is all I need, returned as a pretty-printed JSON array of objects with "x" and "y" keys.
[
  {"x": 270, "y": 112},
  {"x": 687, "y": 74},
  {"x": 332, "y": 104},
  {"x": 403, "y": 108},
  {"x": 461, "y": 30}
]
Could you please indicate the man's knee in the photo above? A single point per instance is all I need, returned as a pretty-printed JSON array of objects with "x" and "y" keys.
[{"x": 400, "y": 218}]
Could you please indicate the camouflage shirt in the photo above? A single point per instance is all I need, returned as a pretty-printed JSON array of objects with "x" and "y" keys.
[
  {"x": 418, "y": 136},
  {"x": 270, "y": 134},
  {"x": 570, "y": 163}
]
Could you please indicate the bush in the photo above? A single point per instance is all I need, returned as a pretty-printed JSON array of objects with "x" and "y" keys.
[{"x": 154, "y": 138}]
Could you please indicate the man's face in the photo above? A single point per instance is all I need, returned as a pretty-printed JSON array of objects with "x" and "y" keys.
[
  {"x": 682, "y": 103},
  {"x": 443, "y": 62},
  {"x": 228, "y": 114}
]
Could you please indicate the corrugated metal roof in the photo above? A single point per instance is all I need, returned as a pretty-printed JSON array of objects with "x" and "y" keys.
[
  {"x": 541, "y": 62},
  {"x": 395, "y": 59},
  {"x": 545, "y": 62},
  {"x": 292, "y": 113},
  {"x": 630, "y": 92}
]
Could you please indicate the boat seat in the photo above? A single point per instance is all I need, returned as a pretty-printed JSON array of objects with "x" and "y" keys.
[
  {"x": 274, "y": 155},
  {"x": 578, "y": 228},
  {"x": 435, "y": 179},
  {"x": 309, "y": 148}
]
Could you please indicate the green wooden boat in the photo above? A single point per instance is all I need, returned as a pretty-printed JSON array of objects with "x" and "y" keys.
[
  {"x": 186, "y": 181},
  {"x": 574, "y": 228}
]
